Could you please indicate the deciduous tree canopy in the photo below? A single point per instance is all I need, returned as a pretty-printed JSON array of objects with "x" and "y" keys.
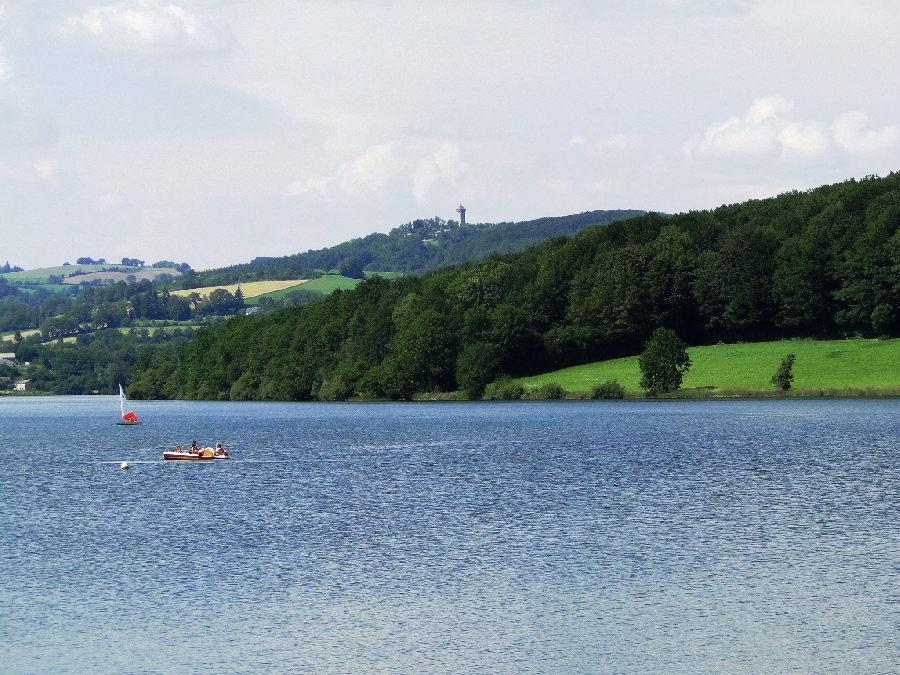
[{"x": 820, "y": 263}]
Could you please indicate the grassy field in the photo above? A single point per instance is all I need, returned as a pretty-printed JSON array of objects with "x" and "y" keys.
[
  {"x": 331, "y": 282},
  {"x": 41, "y": 274},
  {"x": 25, "y": 333},
  {"x": 722, "y": 369},
  {"x": 277, "y": 295},
  {"x": 141, "y": 274},
  {"x": 252, "y": 289}
]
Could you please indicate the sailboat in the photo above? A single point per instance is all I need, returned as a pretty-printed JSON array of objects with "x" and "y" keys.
[{"x": 128, "y": 418}]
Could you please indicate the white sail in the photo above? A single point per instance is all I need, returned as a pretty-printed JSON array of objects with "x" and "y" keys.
[{"x": 127, "y": 417}]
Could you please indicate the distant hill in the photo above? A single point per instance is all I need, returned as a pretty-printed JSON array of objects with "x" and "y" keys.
[
  {"x": 419, "y": 246},
  {"x": 822, "y": 263},
  {"x": 100, "y": 273}
]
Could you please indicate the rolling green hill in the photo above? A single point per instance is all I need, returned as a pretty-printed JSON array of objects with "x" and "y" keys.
[
  {"x": 832, "y": 365},
  {"x": 416, "y": 247},
  {"x": 821, "y": 263}
]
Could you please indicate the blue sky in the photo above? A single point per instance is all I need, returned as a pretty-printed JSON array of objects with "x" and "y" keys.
[{"x": 214, "y": 131}]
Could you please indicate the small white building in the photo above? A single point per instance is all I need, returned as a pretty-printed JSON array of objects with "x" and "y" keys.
[{"x": 24, "y": 385}]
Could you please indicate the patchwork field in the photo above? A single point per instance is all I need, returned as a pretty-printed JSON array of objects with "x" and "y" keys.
[
  {"x": 831, "y": 365},
  {"x": 41, "y": 274},
  {"x": 252, "y": 289},
  {"x": 326, "y": 284}
]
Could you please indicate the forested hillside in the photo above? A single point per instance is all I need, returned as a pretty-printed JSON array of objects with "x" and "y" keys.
[
  {"x": 820, "y": 263},
  {"x": 419, "y": 246}
]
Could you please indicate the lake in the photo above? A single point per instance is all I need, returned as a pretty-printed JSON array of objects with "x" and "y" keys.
[{"x": 519, "y": 537}]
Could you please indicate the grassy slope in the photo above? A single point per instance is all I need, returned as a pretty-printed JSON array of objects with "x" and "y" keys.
[
  {"x": 251, "y": 289},
  {"x": 41, "y": 274},
  {"x": 332, "y": 282},
  {"x": 828, "y": 364}
]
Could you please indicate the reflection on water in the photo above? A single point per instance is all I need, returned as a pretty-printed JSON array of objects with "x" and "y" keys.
[{"x": 542, "y": 537}]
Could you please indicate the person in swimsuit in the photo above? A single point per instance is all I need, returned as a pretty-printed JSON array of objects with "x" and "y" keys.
[{"x": 194, "y": 450}]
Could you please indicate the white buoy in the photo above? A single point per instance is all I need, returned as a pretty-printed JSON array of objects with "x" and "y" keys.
[{"x": 124, "y": 465}]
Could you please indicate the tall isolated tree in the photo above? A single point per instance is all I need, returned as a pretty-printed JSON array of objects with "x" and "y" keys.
[
  {"x": 784, "y": 375},
  {"x": 664, "y": 362}
]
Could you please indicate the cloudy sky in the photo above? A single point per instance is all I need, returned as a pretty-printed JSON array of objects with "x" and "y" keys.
[{"x": 215, "y": 131}]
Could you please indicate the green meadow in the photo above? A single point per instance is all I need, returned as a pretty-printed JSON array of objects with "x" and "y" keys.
[
  {"x": 853, "y": 367},
  {"x": 42, "y": 274},
  {"x": 328, "y": 283}
]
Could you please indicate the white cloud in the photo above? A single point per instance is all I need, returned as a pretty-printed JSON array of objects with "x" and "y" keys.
[
  {"x": 45, "y": 168},
  {"x": 370, "y": 172},
  {"x": 386, "y": 167},
  {"x": 768, "y": 128},
  {"x": 625, "y": 7},
  {"x": 6, "y": 69},
  {"x": 445, "y": 163},
  {"x": 621, "y": 142},
  {"x": 804, "y": 139},
  {"x": 754, "y": 134},
  {"x": 850, "y": 134},
  {"x": 110, "y": 202},
  {"x": 146, "y": 27}
]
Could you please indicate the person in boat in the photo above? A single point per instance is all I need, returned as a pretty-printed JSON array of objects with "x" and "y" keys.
[
  {"x": 194, "y": 450},
  {"x": 220, "y": 451}
]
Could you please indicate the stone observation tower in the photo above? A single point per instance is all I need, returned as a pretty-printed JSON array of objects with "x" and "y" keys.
[{"x": 462, "y": 215}]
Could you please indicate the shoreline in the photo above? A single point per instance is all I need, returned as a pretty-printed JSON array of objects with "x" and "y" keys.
[{"x": 697, "y": 394}]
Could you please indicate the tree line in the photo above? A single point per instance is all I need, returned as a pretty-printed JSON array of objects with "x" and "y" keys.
[
  {"x": 94, "y": 363},
  {"x": 824, "y": 263}
]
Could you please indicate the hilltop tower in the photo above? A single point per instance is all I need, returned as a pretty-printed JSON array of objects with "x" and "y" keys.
[{"x": 462, "y": 215}]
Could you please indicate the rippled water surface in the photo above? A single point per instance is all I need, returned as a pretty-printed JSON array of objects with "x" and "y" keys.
[{"x": 544, "y": 537}]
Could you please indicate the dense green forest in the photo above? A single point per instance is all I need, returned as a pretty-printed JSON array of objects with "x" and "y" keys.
[
  {"x": 97, "y": 307},
  {"x": 825, "y": 262},
  {"x": 93, "y": 363},
  {"x": 415, "y": 247}
]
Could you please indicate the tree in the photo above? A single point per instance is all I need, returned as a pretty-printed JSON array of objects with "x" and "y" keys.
[
  {"x": 784, "y": 375},
  {"x": 350, "y": 268},
  {"x": 664, "y": 362},
  {"x": 476, "y": 367}
]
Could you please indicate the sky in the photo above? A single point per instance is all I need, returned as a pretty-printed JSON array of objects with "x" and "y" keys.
[{"x": 215, "y": 131}]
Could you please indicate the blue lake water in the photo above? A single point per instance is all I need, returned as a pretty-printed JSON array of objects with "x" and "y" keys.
[{"x": 538, "y": 537}]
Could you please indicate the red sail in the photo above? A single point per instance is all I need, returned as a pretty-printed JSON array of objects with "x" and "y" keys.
[{"x": 130, "y": 417}]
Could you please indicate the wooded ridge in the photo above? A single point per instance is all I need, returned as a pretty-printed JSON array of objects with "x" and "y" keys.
[
  {"x": 419, "y": 246},
  {"x": 824, "y": 263}
]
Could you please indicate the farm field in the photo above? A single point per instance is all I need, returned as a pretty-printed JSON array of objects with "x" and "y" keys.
[
  {"x": 251, "y": 289},
  {"x": 327, "y": 283},
  {"x": 824, "y": 364},
  {"x": 10, "y": 335},
  {"x": 140, "y": 274},
  {"x": 332, "y": 282},
  {"x": 41, "y": 274}
]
